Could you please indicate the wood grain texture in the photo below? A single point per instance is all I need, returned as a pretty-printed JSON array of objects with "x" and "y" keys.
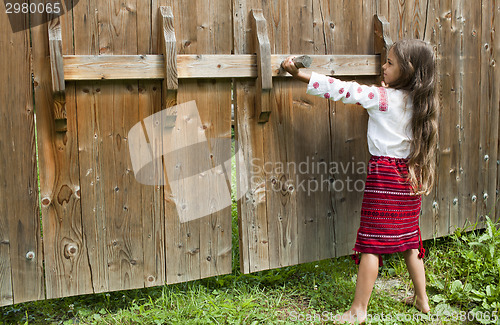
[
  {"x": 383, "y": 40},
  {"x": 323, "y": 28},
  {"x": 107, "y": 67},
  {"x": 310, "y": 149},
  {"x": 121, "y": 192},
  {"x": 21, "y": 256},
  {"x": 87, "y": 96},
  {"x": 489, "y": 113},
  {"x": 67, "y": 271},
  {"x": 496, "y": 95},
  {"x": 169, "y": 48},
  {"x": 348, "y": 129},
  {"x": 468, "y": 19},
  {"x": 57, "y": 71},
  {"x": 447, "y": 200},
  {"x": 254, "y": 243},
  {"x": 279, "y": 147},
  {"x": 114, "y": 234},
  {"x": 430, "y": 203},
  {"x": 56, "y": 57},
  {"x": 201, "y": 247},
  {"x": 149, "y": 103},
  {"x": 264, "y": 82}
]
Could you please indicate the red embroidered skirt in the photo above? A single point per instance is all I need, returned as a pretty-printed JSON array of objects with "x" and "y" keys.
[{"x": 389, "y": 213}]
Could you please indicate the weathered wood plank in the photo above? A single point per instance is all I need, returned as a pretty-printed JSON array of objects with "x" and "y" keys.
[
  {"x": 56, "y": 59},
  {"x": 200, "y": 247},
  {"x": 144, "y": 12},
  {"x": 255, "y": 240},
  {"x": 496, "y": 94},
  {"x": 469, "y": 19},
  {"x": 216, "y": 248},
  {"x": 88, "y": 101},
  {"x": 66, "y": 262},
  {"x": 309, "y": 147},
  {"x": 149, "y": 103},
  {"x": 448, "y": 162},
  {"x": 252, "y": 221},
  {"x": 323, "y": 28},
  {"x": 67, "y": 28},
  {"x": 414, "y": 19},
  {"x": 430, "y": 203},
  {"x": 279, "y": 146},
  {"x": 382, "y": 7},
  {"x": 21, "y": 256},
  {"x": 488, "y": 114},
  {"x": 348, "y": 130},
  {"x": 124, "y": 233},
  {"x": 81, "y": 67}
]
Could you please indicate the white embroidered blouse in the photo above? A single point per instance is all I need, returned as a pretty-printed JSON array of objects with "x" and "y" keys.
[{"x": 389, "y": 133}]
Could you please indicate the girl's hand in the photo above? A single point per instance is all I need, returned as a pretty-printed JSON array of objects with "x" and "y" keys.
[
  {"x": 292, "y": 69},
  {"x": 289, "y": 66}
]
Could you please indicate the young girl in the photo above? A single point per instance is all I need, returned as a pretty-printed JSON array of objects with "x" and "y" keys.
[{"x": 402, "y": 137}]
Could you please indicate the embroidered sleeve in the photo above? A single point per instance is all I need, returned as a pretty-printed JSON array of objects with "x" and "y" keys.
[{"x": 348, "y": 92}]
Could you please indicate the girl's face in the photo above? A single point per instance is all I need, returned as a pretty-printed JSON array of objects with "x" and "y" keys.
[{"x": 392, "y": 72}]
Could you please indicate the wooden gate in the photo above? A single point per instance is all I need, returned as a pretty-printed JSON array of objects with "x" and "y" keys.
[{"x": 117, "y": 63}]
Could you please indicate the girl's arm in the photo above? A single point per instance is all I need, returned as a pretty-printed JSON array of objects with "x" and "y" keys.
[{"x": 338, "y": 90}]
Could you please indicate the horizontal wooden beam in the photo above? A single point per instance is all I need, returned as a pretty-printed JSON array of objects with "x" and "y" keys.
[{"x": 112, "y": 67}]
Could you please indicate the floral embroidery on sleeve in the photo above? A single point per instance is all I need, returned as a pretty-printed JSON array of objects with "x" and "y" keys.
[{"x": 384, "y": 104}]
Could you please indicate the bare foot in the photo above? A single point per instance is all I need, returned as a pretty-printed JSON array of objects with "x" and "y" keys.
[
  {"x": 421, "y": 304},
  {"x": 351, "y": 317}
]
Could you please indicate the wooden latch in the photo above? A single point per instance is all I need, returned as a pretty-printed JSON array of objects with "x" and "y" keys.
[
  {"x": 57, "y": 71},
  {"x": 264, "y": 69},
  {"x": 169, "y": 49},
  {"x": 382, "y": 41}
]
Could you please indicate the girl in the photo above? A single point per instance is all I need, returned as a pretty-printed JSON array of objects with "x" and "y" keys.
[{"x": 402, "y": 137}]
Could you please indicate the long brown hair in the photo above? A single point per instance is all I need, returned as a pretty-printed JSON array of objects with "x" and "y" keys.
[{"x": 418, "y": 76}]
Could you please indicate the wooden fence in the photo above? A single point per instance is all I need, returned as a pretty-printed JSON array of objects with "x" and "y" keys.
[{"x": 102, "y": 230}]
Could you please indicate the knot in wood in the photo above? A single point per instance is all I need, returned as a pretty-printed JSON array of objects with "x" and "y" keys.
[
  {"x": 45, "y": 201},
  {"x": 30, "y": 255},
  {"x": 70, "y": 250}
]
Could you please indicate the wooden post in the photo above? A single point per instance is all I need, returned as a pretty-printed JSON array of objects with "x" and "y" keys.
[
  {"x": 57, "y": 70},
  {"x": 169, "y": 49},
  {"x": 383, "y": 41},
  {"x": 264, "y": 71}
]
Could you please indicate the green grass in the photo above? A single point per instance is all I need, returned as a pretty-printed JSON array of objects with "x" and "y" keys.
[{"x": 463, "y": 272}]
